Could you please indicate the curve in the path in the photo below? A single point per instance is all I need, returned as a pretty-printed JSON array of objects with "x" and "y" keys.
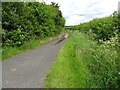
[{"x": 27, "y": 70}]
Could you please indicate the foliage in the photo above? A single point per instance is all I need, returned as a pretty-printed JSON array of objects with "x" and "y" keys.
[
  {"x": 90, "y": 59},
  {"x": 104, "y": 28},
  {"x": 102, "y": 61},
  {"x": 8, "y": 52},
  {"x": 84, "y": 63},
  {"x": 22, "y": 21},
  {"x": 69, "y": 71}
]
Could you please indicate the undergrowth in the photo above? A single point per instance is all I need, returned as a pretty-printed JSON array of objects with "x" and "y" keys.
[
  {"x": 83, "y": 63},
  {"x": 8, "y": 52}
]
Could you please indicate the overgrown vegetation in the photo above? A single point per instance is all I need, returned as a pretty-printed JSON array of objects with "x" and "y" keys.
[
  {"x": 83, "y": 63},
  {"x": 8, "y": 52},
  {"x": 25, "y": 21},
  {"x": 90, "y": 58},
  {"x": 69, "y": 71},
  {"x": 102, "y": 28}
]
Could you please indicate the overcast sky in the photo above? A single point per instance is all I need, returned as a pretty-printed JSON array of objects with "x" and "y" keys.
[{"x": 78, "y": 11}]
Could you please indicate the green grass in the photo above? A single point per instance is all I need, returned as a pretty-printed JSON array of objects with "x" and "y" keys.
[
  {"x": 8, "y": 52},
  {"x": 69, "y": 71},
  {"x": 82, "y": 63}
]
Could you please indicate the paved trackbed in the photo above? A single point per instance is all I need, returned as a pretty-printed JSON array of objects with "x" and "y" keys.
[{"x": 27, "y": 70}]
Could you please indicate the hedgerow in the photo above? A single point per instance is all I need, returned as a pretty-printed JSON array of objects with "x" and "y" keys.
[
  {"x": 106, "y": 56},
  {"x": 103, "y": 28},
  {"x": 22, "y": 21}
]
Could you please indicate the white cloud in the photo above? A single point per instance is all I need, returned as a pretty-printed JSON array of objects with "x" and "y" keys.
[
  {"x": 77, "y": 11},
  {"x": 74, "y": 19}
]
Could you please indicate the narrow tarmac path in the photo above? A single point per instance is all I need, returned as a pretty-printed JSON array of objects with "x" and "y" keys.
[{"x": 27, "y": 70}]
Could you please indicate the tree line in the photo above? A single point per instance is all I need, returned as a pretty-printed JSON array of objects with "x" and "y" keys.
[
  {"x": 22, "y": 21},
  {"x": 103, "y": 28}
]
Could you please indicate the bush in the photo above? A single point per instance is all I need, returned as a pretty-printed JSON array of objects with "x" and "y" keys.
[
  {"x": 104, "y": 28},
  {"x": 84, "y": 63},
  {"x": 23, "y": 21}
]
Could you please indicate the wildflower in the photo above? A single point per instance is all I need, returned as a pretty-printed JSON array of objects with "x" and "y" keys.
[
  {"x": 119, "y": 73},
  {"x": 108, "y": 42}
]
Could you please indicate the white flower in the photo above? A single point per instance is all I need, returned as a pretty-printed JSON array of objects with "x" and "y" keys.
[{"x": 119, "y": 73}]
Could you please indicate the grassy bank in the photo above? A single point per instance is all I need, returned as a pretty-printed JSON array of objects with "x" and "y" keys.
[
  {"x": 8, "y": 52},
  {"x": 82, "y": 63}
]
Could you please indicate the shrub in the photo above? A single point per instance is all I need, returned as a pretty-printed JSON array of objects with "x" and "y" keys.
[{"x": 23, "y": 21}]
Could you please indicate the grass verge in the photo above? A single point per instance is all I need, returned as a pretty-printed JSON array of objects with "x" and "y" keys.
[
  {"x": 69, "y": 71},
  {"x": 8, "y": 52},
  {"x": 83, "y": 63}
]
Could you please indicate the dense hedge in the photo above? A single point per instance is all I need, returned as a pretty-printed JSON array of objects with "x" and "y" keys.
[
  {"x": 22, "y": 21},
  {"x": 104, "y": 28},
  {"x": 107, "y": 32}
]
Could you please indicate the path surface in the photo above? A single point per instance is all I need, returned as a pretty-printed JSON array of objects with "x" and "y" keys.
[{"x": 27, "y": 70}]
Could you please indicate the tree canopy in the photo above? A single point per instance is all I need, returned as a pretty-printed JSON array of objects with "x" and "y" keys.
[{"x": 22, "y": 21}]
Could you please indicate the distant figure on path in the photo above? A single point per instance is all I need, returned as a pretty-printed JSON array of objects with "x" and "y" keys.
[{"x": 62, "y": 38}]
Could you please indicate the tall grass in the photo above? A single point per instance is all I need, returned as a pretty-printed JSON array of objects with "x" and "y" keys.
[{"x": 83, "y": 63}]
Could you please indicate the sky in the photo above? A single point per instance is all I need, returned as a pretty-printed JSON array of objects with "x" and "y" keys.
[{"x": 79, "y": 11}]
